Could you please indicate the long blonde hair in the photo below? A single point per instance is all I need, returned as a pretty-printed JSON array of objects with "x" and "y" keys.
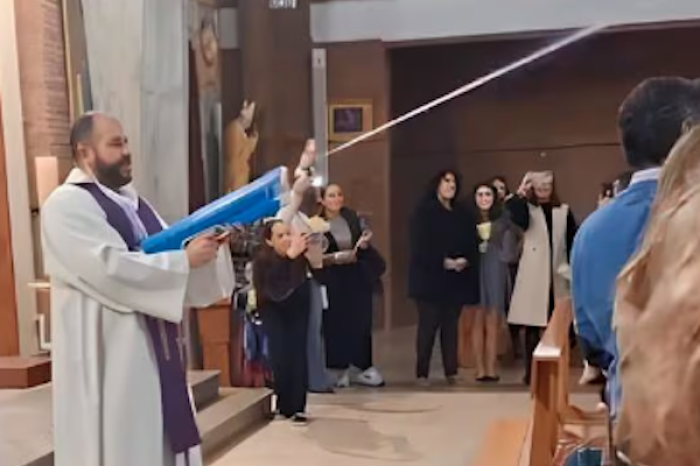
[{"x": 657, "y": 316}]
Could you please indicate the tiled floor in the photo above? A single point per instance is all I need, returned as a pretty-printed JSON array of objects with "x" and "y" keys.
[
  {"x": 396, "y": 424},
  {"x": 29, "y": 434},
  {"x": 395, "y": 356},
  {"x": 440, "y": 426},
  {"x": 385, "y": 428}
]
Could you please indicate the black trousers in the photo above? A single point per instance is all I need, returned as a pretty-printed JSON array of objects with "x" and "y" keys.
[
  {"x": 347, "y": 326},
  {"x": 532, "y": 339},
  {"x": 514, "y": 329},
  {"x": 431, "y": 318},
  {"x": 287, "y": 330}
]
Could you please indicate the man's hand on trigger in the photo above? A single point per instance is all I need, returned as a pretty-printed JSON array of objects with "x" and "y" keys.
[{"x": 203, "y": 249}]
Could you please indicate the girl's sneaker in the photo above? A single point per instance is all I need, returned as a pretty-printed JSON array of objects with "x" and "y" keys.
[{"x": 369, "y": 378}]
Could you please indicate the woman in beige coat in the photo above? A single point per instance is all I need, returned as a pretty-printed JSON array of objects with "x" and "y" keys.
[{"x": 543, "y": 274}]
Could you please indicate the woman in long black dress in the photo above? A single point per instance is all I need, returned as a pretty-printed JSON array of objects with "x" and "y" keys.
[
  {"x": 351, "y": 272},
  {"x": 443, "y": 271},
  {"x": 282, "y": 288}
]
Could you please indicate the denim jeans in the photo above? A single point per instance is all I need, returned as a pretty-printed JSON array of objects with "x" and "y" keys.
[{"x": 319, "y": 381}]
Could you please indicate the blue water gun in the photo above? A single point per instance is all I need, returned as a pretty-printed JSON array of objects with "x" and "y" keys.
[{"x": 252, "y": 202}]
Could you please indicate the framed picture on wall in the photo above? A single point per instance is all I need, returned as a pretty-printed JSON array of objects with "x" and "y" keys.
[{"x": 348, "y": 119}]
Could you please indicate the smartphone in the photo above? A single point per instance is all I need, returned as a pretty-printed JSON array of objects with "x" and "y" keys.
[
  {"x": 221, "y": 233},
  {"x": 607, "y": 190},
  {"x": 364, "y": 224}
]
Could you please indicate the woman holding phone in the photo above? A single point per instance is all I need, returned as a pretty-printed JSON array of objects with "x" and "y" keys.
[
  {"x": 544, "y": 274},
  {"x": 351, "y": 271}
]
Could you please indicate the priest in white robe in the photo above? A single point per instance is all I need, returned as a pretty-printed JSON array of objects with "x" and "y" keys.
[{"x": 119, "y": 389}]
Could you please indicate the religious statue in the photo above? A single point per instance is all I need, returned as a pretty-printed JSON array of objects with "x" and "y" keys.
[
  {"x": 241, "y": 141},
  {"x": 207, "y": 53}
]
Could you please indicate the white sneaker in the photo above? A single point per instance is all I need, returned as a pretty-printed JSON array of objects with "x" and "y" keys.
[
  {"x": 422, "y": 382},
  {"x": 369, "y": 378},
  {"x": 299, "y": 419},
  {"x": 343, "y": 380},
  {"x": 590, "y": 373}
]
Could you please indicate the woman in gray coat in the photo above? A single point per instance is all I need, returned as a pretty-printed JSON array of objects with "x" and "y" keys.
[{"x": 498, "y": 247}]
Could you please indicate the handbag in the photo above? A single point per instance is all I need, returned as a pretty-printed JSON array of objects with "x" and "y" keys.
[{"x": 372, "y": 263}]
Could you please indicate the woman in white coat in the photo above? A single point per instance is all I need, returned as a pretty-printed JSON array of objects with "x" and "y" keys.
[{"x": 543, "y": 275}]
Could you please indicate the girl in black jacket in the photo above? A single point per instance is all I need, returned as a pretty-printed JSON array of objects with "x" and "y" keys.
[
  {"x": 282, "y": 288},
  {"x": 443, "y": 271}
]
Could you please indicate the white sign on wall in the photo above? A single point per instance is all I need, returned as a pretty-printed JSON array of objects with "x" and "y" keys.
[{"x": 283, "y": 4}]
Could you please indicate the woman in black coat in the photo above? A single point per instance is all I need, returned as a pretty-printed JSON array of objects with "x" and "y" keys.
[
  {"x": 351, "y": 271},
  {"x": 443, "y": 271}
]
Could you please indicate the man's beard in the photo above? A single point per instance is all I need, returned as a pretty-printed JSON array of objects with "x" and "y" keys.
[{"x": 111, "y": 175}]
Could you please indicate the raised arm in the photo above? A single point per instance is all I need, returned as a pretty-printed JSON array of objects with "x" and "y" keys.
[
  {"x": 302, "y": 182},
  {"x": 519, "y": 212}
]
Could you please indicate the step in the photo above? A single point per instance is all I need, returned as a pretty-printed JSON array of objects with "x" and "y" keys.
[
  {"x": 205, "y": 387},
  {"x": 26, "y": 436},
  {"x": 237, "y": 411},
  {"x": 24, "y": 372}
]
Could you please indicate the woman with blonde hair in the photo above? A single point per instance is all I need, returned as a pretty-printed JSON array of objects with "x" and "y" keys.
[{"x": 657, "y": 317}]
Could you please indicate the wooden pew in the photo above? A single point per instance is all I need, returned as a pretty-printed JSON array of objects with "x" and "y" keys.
[
  {"x": 534, "y": 441},
  {"x": 549, "y": 387},
  {"x": 551, "y": 409}
]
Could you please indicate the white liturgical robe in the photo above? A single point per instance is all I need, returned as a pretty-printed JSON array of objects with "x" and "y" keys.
[{"x": 106, "y": 388}]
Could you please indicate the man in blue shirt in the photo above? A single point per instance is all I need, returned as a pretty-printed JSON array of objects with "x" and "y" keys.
[{"x": 651, "y": 120}]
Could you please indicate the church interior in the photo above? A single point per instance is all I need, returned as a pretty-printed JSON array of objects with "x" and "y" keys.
[{"x": 199, "y": 83}]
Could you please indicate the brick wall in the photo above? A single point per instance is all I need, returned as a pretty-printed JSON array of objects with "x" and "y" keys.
[
  {"x": 45, "y": 104},
  {"x": 43, "y": 77}
]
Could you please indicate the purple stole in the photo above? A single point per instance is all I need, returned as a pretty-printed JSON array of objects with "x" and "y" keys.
[{"x": 178, "y": 419}]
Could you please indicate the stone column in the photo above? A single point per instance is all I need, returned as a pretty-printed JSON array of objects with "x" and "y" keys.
[{"x": 137, "y": 59}]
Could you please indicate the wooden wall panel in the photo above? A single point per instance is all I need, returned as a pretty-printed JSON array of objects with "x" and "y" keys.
[
  {"x": 359, "y": 71},
  {"x": 557, "y": 114},
  {"x": 275, "y": 60}
]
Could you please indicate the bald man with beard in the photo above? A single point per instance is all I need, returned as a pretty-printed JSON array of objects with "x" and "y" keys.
[{"x": 120, "y": 394}]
